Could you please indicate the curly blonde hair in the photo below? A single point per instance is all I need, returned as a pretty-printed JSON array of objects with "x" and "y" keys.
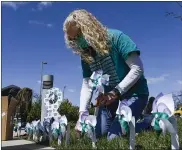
[{"x": 92, "y": 30}]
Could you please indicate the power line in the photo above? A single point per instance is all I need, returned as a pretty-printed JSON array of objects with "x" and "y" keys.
[{"x": 179, "y": 4}]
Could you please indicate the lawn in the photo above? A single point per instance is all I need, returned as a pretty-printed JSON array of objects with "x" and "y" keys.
[{"x": 145, "y": 140}]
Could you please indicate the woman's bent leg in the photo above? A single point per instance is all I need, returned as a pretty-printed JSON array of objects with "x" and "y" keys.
[{"x": 137, "y": 105}]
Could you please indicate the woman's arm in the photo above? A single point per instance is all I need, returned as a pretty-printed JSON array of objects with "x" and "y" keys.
[
  {"x": 136, "y": 70},
  {"x": 130, "y": 53},
  {"x": 85, "y": 96}
]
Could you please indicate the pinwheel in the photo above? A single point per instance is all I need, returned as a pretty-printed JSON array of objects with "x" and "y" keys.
[
  {"x": 88, "y": 123},
  {"x": 97, "y": 82},
  {"x": 59, "y": 129},
  {"x": 46, "y": 125},
  {"x": 15, "y": 128},
  {"x": 164, "y": 120},
  {"x": 29, "y": 130},
  {"x": 19, "y": 129},
  {"x": 127, "y": 122},
  {"x": 38, "y": 131}
]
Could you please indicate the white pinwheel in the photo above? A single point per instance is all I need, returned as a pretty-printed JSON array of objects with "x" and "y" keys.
[
  {"x": 163, "y": 120},
  {"x": 127, "y": 122},
  {"x": 88, "y": 123},
  {"x": 59, "y": 128},
  {"x": 97, "y": 82},
  {"x": 29, "y": 130},
  {"x": 38, "y": 131}
]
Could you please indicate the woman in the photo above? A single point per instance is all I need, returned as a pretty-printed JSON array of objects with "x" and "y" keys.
[
  {"x": 118, "y": 56},
  {"x": 148, "y": 108}
]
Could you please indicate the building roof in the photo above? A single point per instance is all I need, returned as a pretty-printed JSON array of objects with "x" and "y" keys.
[{"x": 11, "y": 89}]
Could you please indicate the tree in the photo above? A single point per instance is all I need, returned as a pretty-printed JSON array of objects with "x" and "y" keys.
[
  {"x": 71, "y": 112},
  {"x": 35, "y": 112},
  {"x": 24, "y": 98},
  {"x": 36, "y": 98},
  {"x": 173, "y": 14}
]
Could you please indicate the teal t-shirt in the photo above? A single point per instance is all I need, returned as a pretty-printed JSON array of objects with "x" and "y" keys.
[{"x": 114, "y": 63}]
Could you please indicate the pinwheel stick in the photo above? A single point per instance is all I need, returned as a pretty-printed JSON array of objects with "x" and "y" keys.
[
  {"x": 67, "y": 142},
  {"x": 132, "y": 133},
  {"x": 174, "y": 134}
]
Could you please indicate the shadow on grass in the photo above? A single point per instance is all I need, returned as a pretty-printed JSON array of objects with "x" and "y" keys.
[
  {"x": 139, "y": 147},
  {"x": 24, "y": 147}
]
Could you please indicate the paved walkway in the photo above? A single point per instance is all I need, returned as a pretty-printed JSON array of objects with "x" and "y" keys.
[{"x": 23, "y": 145}]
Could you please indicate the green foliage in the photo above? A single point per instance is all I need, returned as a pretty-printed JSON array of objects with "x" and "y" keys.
[
  {"x": 71, "y": 112},
  {"x": 91, "y": 111},
  {"x": 35, "y": 112},
  {"x": 24, "y": 96}
]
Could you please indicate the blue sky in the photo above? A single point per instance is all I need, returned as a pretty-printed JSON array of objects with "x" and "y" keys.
[{"x": 32, "y": 32}]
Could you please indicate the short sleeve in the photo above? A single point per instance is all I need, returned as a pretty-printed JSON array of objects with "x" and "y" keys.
[
  {"x": 125, "y": 45},
  {"x": 85, "y": 69}
]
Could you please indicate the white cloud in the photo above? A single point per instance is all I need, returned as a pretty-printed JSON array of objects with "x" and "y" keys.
[
  {"x": 71, "y": 90},
  {"x": 38, "y": 81},
  {"x": 154, "y": 80},
  {"x": 49, "y": 25},
  {"x": 179, "y": 82},
  {"x": 43, "y": 5},
  {"x": 14, "y": 5}
]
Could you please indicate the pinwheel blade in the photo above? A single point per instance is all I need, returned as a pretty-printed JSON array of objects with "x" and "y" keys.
[
  {"x": 154, "y": 105},
  {"x": 126, "y": 112},
  {"x": 161, "y": 107},
  {"x": 91, "y": 120},
  {"x": 63, "y": 129},
  {"x": 105, "y": 79},
  {"x": 168, "y": 101},
  {"x": 83, "y": 116},
  {"x": 63, "y": 120},
  {"x": 55, "y": 125}
]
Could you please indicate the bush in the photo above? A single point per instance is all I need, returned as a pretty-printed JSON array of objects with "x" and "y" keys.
[
  {"x": 71, "y": 112},
  {"x": 35, "y": 112}
]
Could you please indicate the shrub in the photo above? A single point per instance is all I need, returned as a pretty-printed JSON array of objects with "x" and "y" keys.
[{"x": 35, "y": 112}]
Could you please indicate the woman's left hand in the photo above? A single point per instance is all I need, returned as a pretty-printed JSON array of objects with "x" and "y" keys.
[{"x": 106, "y": 99}]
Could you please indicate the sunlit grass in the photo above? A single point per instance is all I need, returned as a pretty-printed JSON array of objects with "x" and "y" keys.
[{"x": 144, "y": 140}]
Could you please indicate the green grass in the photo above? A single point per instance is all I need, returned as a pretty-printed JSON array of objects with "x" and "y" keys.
[{"x": 145, "y": 140}]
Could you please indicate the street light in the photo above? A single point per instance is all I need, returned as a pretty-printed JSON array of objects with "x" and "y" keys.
[
  {"x": 42, "y": 63},
  {"x": 64, "y": 91}
]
